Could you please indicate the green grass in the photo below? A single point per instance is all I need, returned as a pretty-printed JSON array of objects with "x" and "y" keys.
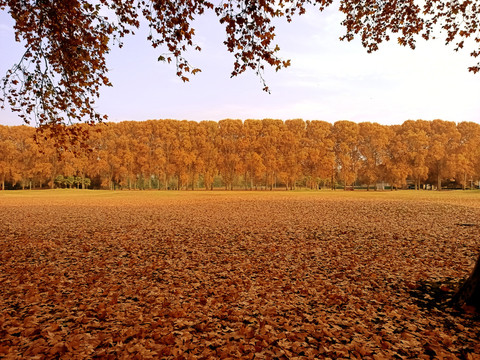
[{"x": 467, "y": 198}]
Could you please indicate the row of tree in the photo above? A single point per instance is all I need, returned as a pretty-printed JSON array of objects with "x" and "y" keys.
[{"x": 252, "y": 154}]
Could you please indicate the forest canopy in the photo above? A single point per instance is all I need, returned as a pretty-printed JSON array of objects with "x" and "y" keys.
[
  {"x": 59, "y": 77},
  {"x": 250, "y": 154}
]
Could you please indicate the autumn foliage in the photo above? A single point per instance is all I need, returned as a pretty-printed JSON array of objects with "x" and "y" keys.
[
  {"x": 250, "y": 154},
  {"x": 264, "y": 275},
  {"x": 59, "y": 76}
]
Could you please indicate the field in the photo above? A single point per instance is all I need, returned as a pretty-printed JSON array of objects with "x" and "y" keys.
[{"x": 219, "y": 275}]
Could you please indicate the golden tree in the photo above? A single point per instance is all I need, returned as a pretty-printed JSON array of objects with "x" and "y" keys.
[
  {"x": 9, "y": 155},
  {"x": 396, "y": 165},
  {"x": 292, "y": 151},
  {"x": 347, "y": 154},
  {"x": 229, "y": 164},
  {"x": 254, "y": 167},
  {"x": 444, "y": 140},
  {"x": 374, "y": 139},
  {"x": 414, "y": 134},
  {"x": 208, "y": 153},
  {"x": 468, "y": 155},
  {"x": 319, "y": 163}
]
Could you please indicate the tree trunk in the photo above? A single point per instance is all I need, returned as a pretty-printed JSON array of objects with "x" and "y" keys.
[{"x": 469, "y": 293}]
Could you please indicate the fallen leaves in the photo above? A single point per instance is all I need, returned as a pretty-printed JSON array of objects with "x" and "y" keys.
[{"x": 240, "y": 275}]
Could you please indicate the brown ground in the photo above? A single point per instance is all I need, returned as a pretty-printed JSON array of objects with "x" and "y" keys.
[{"x": 264, "y": 275}]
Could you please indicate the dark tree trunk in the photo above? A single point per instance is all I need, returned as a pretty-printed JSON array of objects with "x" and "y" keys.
[{"x": 469, "y": 293}]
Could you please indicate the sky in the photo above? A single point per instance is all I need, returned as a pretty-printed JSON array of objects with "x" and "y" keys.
[{"x": 328, "y": 80}]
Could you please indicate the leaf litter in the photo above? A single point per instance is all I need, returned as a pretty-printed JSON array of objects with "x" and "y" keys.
[{"x": 235, "y": 276}]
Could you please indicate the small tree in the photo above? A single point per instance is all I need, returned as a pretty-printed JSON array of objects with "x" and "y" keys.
[
  {"x": 59, "y": 181},
  {"x": 86, "y": 182},
  {"x": 69, "y": 181}
]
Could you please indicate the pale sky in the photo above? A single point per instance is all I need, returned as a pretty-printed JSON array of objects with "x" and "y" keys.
[{"x": 328, "y": 80}]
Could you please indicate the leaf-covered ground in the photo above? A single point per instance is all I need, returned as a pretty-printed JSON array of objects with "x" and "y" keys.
[{"x": 264, "y": 275}]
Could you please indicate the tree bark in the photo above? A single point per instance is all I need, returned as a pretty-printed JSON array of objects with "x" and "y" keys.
[{"x": 469, "y": 293}]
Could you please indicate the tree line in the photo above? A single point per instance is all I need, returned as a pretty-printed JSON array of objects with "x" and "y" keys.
[{"x": 250, "y": 154}]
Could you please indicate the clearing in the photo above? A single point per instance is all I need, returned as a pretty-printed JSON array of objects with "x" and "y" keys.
[{"x": 208, "y": 275}]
